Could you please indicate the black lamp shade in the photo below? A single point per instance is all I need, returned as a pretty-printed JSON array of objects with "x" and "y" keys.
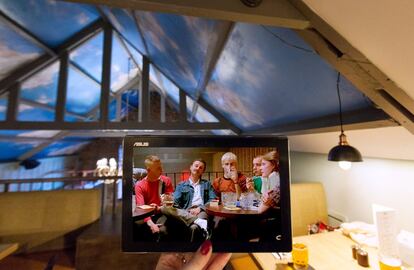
[{"x": 344, "y": 153}]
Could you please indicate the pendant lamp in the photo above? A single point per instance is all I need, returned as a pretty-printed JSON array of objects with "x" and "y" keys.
[{"x": 343, "y": 152}]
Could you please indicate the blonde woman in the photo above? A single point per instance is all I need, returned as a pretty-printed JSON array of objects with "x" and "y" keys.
[{"x": 270, "y": 174}]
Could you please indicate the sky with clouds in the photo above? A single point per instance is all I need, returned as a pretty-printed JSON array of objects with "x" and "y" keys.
[
  {"x": 178, "y": 45},
  {"x": 89, "y": 56},
  {"x": 14, "y": 50},
  {"x": 51, "y": 21},
  {"x": 258, "y": 80}
]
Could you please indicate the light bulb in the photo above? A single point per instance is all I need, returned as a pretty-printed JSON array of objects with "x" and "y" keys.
[{"x": 345, "y": 165}]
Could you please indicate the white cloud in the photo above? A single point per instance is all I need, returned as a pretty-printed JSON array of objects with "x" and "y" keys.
[
  {"x": 115, "y": 68},
  {"x": 42, "y": 78},
  {"x": 9, "y": 59},
  {"x": 67, "y": 150},
  {"x": 39, "y": 133},
  {"x": 82, "y": 18},
  {"x": 3, "y": 108},
  {"x": 123, "y": 78},
  {"x": 24, "y": 107},
  {"x": 73, "y": 54},
  {"x": 44, "y": 99},
  {"x": 234, "y": 104},
  {"x": 31, "y": 143},
  {"x": 245, "y": 64}
]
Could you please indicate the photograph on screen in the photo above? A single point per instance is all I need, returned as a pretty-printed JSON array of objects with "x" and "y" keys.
[{"x": 178, "y": 192}]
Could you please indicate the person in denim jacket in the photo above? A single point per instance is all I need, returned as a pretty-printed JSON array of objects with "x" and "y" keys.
[{"x": 195, "y": 192}]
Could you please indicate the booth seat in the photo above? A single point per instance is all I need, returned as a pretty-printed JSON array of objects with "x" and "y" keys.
[
  {"x": 37, "y": 218},
  {"x": 308, "y": 205}
]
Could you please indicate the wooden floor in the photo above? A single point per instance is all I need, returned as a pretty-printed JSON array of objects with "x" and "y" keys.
[{"x": 64, "y": 260}]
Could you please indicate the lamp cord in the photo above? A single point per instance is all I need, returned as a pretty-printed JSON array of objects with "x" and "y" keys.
[{"x": 338, "y": 79}]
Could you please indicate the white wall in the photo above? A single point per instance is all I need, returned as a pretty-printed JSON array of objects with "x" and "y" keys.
[{"x": 351, "y": 193}]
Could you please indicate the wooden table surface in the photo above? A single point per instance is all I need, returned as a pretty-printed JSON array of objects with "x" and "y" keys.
[
  {"x": 7, "y": 249},
  {"x": 327, "y": 251},
  {"x": 220, "y": 211}
]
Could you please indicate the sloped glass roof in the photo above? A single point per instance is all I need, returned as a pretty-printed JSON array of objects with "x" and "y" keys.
[
  {"x": 31, "y": 113},
  {"x": 42, "y": 87},
  {"x": 261, "y": 81},
  {"x": 124, "y": 22},
  {"x": 167, "y": 87},
  {"x": 14, "y": 50},
  {"x": 123, "y": 68},
  {"x": 51, "y": 21},
  {"x": 88, "y": 56},
  {"x": 61, "y": 148},
  {"x": 179, "y": 45},
  {"x": 255, "y": 76},
  {"x": 3, "y": 106},
  {"x": 137, "y": 57},
  {"x": 11, "y": 150},
  {"x": 83, "y": 94},
  {"x": 201, "y": 114}
]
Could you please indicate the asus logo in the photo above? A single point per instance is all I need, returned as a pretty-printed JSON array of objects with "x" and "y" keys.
[{"x": 141, "y": 144}]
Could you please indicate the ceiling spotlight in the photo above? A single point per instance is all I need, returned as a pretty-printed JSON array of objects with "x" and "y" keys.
[
  {"x": 251, "y": 3},
  {"x": 343, "y": 152}
]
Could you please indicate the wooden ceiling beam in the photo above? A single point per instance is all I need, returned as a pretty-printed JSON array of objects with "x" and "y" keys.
[
  {"x": 348, "y": 60},
  {"x": 271, "y": 12}
]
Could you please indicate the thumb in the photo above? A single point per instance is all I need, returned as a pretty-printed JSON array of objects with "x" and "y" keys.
[{"x": 201, "y": 258}]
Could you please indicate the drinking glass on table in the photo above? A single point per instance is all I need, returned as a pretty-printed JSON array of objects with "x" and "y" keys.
[
  {"x": 389, "y": 263},
  {"x": 167, "y": 199},
  {"x": 229, "y": 199},
  {"x": 300, "y": 256}
]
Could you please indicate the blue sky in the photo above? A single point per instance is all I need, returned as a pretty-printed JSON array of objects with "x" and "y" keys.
[
  {"x": 253, "y": 81},
  {"x": 52, "y": 21},
  {"x": 14, "y": 50},
  {"x": 124, "y": 22},
  {"x": 89, "y": 56},
  {"x": 259, "y": 81},
  {"x": 179, "y": 45}
]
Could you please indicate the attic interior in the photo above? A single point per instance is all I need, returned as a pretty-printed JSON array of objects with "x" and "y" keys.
[{"x": 77, "y": 76}]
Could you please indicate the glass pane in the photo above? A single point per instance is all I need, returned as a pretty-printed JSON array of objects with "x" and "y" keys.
[
  {"x": 129, "y": 106},
  {"x": 201, "y": 115},
  {"x": 83, "y": 94},
  {"x": 62, "y": 148},
  {"x": 3, "y": 106},
  {"x": 165, "y": 85},
  {"x": 124, "y": 22},
  {"x": 10, "y": 151},
  {"x": 263, "y": 89},
  {"x": 181, "y": 46},
  {"x": 204, "y": 116},
  {"x": 122, "y": 67},
  {"x": 135, "y": 54},
  {"x": 36, "y": 114},
  {"x": 14, "y": 50},
  {"x": 89, "y": 56},
  {"x": 42, "y": 87},
  {"x": 38, "y": 133},
  {"x": 12, "y": 132},
  {"x": 51, "y": 21}
]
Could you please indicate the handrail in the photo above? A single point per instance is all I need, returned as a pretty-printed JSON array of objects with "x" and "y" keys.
[{"x": 58, "y": 179}]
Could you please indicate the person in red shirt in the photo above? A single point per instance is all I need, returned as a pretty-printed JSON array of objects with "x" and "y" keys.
[{"x": 149, "y": 189}]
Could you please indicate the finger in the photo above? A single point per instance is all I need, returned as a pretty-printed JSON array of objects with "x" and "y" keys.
[
  {"x": 219, "y": 261},
  {"x": 169, "y": 261},
  {"x": 201, "y": 258}
]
